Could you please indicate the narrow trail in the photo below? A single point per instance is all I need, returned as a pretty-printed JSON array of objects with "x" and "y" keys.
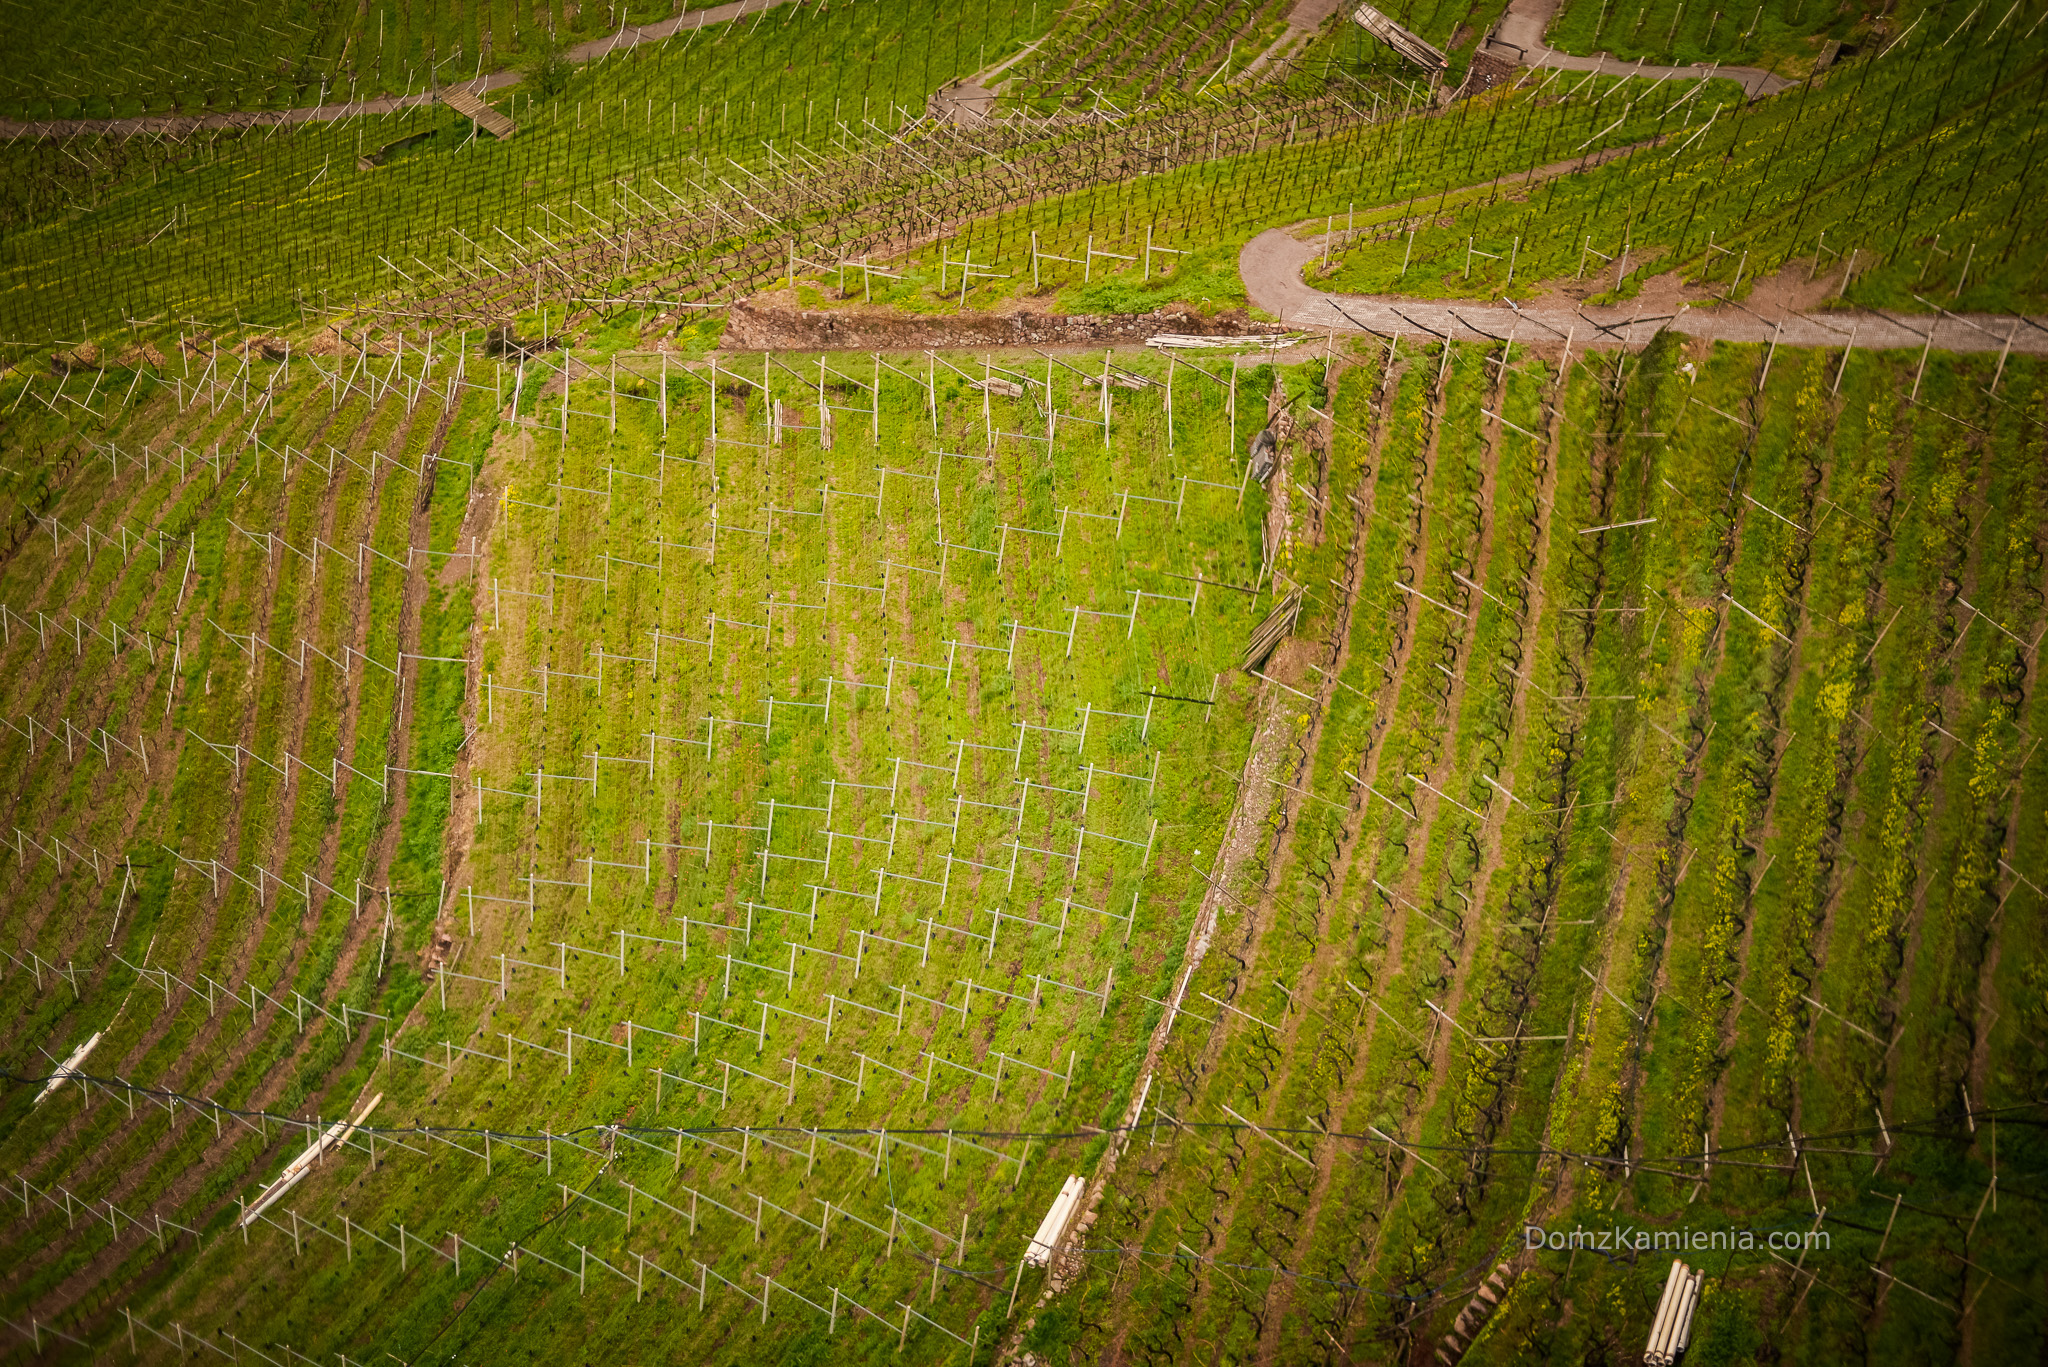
[
  {"x": 1518, "y": 38},
  {"x": 177, "y": 124},
  {"x": 972, "y": 100},
  {"x": 1303, "y": 20},
  {"x": 1272, "y": 263}
]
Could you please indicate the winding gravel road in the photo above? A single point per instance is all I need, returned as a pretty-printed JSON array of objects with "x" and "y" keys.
[
  {"x": 1518, "y": 38},
  {"x": 177, "y": 124},
  {"x": 1272, "y": 265}
]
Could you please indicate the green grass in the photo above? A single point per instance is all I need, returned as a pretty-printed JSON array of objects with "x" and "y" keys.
[
  {"x": 503, "y": 843},
  {"x": 1609, "y": 1088}
]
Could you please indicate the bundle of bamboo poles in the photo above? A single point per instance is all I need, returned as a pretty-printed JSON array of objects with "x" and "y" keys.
[{"x": 1268, "y": 635}]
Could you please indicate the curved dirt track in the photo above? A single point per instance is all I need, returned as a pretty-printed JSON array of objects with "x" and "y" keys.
[
  {"x": 1272, "y": 263},
  {"x": 175, "y": 124},
  {"x": 1518, "y": 38}
]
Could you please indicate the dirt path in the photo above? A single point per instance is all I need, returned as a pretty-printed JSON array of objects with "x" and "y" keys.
[
  {"x": 1302, "y": 22},
  {"x": 175, "y": 124},
  {"x": 1272, "y": 262},
  {"x": 970, "y": 101},
  {"x": 1518, "y": 38}
]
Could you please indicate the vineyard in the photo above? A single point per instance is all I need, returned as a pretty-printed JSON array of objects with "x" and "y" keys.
[
  {"x": 1919, "y": 188},
  {"x": 1787, "y": 36},
  {"x": 1484, "y": 821},
  {"x": 1641, "y": 858},
  {"x": 120, "y": 60},
  {"x": 507, "y": 653},
  {"x": 462, "y": 228}
]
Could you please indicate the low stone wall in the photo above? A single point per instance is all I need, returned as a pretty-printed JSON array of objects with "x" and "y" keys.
[
  {"x": 749, "y": 328},
  {"x": 1486, "y": 72}
]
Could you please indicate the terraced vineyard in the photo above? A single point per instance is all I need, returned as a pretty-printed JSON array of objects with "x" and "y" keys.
[
  {"x": 504, "y": 738},
  {"x": 1113, "y": 50},
  {"x": 1116, "y": 54},
  {"x": 1783, "y": 35},
  {"x": 120, "y": 60},
  {"x": 392, "y": 200},
  {"x": 1645, "y": 858},
  {"x": 490, "y": 775},
  {"x": 1918, "y": 188},
  {"x": 661, "y": 770}
]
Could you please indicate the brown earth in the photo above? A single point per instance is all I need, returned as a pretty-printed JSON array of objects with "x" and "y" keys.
[{"x": 753, "y": 327}]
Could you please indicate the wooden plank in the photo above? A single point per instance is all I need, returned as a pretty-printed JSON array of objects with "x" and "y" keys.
[
  {"x": 479, "y": 113},
  {"x": 1400, "y": 39}
]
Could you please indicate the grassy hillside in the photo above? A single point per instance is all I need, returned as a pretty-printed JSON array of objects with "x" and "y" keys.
[
  {"x": 973, "y": 688},
  {"x": 757, "y": 823},
  {"x": 1581, "y": 844},
  {"x": 1597, "y": 842},
  {"x": 1924, "y": 170}
]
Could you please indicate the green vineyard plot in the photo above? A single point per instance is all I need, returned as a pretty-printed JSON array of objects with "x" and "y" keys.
[
  {"x": 1583, "y": 884},
  {"x": 769, "y": 791},
  {"x": 1903, "y": 201},
  {"x": 124, "y": 60},
  {"x": 591, "y": 770},
  {"x": 624, "y": 772}
]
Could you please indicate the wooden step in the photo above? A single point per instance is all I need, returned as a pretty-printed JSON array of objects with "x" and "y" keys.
[
  {"x": 1472, "y": 1319},
  {"x": 478, "y": 113}
]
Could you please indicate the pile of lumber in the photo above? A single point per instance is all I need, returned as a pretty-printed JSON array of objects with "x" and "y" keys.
[{"x": 1268, "y": 635}]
